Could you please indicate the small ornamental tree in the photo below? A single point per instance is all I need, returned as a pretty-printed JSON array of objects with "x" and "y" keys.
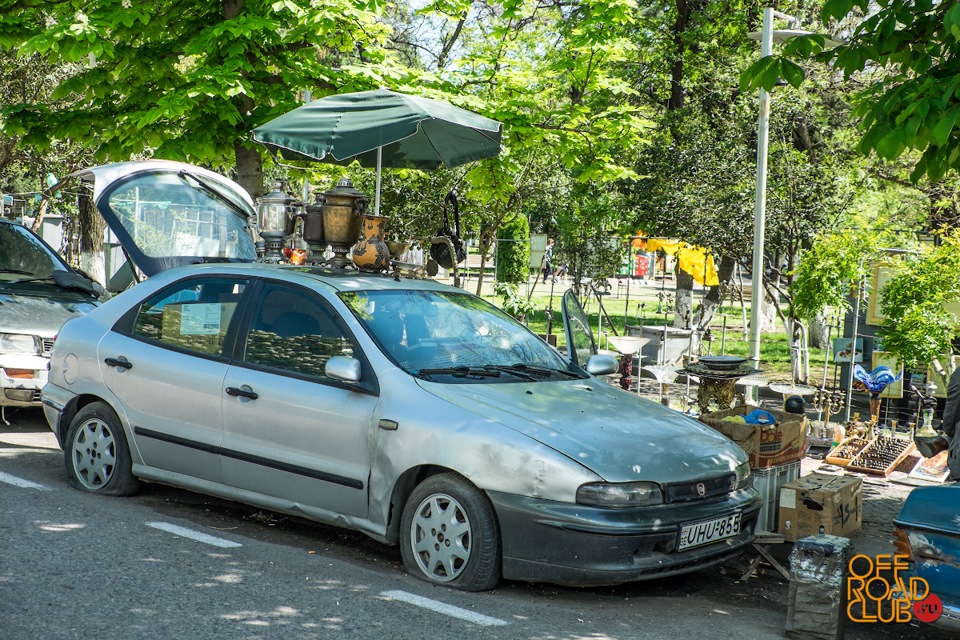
[
  {"x": 513, "y": 250},
  {"x": 919, "y": 327}
]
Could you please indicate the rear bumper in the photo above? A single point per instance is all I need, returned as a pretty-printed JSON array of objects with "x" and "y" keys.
[
  {"x": 545, "y": 541},
  {"x": 55, "y": 400}
]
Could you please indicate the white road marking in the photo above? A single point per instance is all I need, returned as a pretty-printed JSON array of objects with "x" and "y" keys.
[
  {"x": 193, "y": 535},
  {"x": 445, "y": 609},
  {"x": 20, "y": 482}
]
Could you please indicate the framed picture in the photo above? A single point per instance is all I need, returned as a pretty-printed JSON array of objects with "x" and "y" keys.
[
  {"x": 941, "y": 383},
  {"x": 843, "y": 348},
  {"x": 933, "y": 469},
  {"x": 881, "y": 274},
  {"x": 886, "y": 358}
]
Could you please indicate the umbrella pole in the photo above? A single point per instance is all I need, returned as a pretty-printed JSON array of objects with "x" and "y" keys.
[{"x": 376, "y": 200}]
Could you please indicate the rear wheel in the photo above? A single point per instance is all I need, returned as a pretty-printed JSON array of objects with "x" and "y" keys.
[
  {"x": 449, "y": 536},
  {"x": 96, "y": 453}
]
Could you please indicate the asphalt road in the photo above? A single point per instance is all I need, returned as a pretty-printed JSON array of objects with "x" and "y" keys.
[{"x": 172, "y": 564}]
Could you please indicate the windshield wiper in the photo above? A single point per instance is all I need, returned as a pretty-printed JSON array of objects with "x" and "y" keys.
[
  {"x": 63, "y": 279},
  {"x": 461, "y": 372},
  {"x": 530, "y": 372}
]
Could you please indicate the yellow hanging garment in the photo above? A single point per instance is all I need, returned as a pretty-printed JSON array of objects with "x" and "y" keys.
[{"x": 691, "y": 259}]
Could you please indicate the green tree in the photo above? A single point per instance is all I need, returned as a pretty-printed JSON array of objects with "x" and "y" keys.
[
  {"x": 186, "y": 80},
  {"x": 513, "y": 250},
  {"x": 919, "y": 326},
  {"x": 901, "y": 55}
]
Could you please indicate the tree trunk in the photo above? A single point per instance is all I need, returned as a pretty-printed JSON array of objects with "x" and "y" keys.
[
  {"x": 249, "y": 169},
  {"x": 683, "y": 312},
  {"x": 711, "y": 302},
  {"x": 486, "y": 241},
  {"x": 799, "y": 353},
  {"x": 817, "y": 332},
  {"x": 92, "y": 229}
]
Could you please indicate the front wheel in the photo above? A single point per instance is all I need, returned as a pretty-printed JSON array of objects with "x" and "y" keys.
[
  {"x": 449, "y": 536},
  {"x": 96, "y": 453}
]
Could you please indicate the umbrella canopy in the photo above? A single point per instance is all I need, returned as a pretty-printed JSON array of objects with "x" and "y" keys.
[
  {"x": 411, "y": 131},
  {"x": 382, "y": 129}
]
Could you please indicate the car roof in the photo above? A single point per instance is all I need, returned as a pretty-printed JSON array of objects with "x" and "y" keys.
[{"x": 338, "y": 279}]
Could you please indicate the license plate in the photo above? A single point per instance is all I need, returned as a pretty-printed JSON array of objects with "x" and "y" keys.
[{"x": 696, "y": 534}]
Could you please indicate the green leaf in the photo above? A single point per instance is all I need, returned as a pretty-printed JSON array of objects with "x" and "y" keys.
[
  {"x": 757, "y": 75},
  {"x": 890, "y": 146},
  {"x": 951, "y": 20},
  {"x": 944, "y": 126},
  {"x": 792, "y": 73},
  {"x": 837, "y": 9}
]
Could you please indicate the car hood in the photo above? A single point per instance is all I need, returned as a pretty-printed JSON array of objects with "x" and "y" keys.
[
  {"x": 40, "y": 316},
  {"x": 617, "y": 435}
]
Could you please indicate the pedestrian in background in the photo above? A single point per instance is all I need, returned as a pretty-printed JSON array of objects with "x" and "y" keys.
[
  {"x": 951, "y": 419},
  {"x": 548, "y": 261}
]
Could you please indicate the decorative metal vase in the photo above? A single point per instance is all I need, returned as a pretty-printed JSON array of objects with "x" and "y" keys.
[
  {"x": 371, "y": 252},
  {"x": 313, "y": 225},
  {"x": 343, "y": 207},
  {"x": 276, "y": 219}
]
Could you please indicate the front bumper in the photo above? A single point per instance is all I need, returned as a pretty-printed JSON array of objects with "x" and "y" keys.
[
  {"x": 18, "y": 391},
  {"x": 561, "y": 543},
  {"x": 950, "y": 618}
]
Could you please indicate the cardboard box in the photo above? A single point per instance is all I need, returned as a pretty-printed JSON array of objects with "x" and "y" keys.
[
  {"x": 834, "y": 503},
  {"x": 765, "y": 445}
]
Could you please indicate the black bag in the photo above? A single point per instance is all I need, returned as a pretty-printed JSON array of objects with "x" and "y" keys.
[{"x": 440, "y": 251}]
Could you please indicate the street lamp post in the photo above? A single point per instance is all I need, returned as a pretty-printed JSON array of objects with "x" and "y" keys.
[
  {"x": 767, "y": 36},
  {"x": 759, "y": 219}
]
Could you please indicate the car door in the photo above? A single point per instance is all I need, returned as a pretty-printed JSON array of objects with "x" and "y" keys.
[
  {"x": 289, "y": 431},
  {"x": 580, "y": 342},
  {"x": 165, "y": 363}
]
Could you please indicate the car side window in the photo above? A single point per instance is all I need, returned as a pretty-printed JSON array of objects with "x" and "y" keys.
[
  {"x": 193, "y": 315},
  {"x": 293, "y": 331}
]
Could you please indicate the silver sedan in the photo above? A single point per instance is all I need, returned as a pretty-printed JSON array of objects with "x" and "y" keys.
[{"x": 412, "y": 411}]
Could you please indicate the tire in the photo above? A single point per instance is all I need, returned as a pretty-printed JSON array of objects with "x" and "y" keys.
[
  {"x": 449, "y": 535},
  {"x": 96, "y": 453}
]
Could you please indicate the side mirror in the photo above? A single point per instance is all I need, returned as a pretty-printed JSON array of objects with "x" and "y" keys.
[
  {"x": 343, "y": 368},
  {"x": 602, "y": 364}
]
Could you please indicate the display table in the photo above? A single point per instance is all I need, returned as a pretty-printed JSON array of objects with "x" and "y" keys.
[
  {"x": 787, "y": 390},
  {"x": 718, "y": 385}
]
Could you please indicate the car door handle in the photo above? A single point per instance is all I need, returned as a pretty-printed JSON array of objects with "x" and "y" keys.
[
  {"x": 120, "y": 363},
  {"x": 242, "y": 393}
]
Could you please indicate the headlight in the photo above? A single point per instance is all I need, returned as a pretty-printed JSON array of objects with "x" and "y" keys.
[
  {"x": 17, "y": 343},
  {"x": 743, "y": 475},
  {"x": 626, "y": 494}
]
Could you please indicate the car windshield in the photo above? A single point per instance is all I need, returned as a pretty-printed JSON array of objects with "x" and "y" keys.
[
  {"x": 447, "y": 336},
  {"x": 176, "y": 214},
  {"x": 23, "y": 255}
]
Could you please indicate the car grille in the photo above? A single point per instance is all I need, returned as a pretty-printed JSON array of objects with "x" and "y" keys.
[
  {"x": 47, "y": 346},
  {"x": 699, "y": 490}
]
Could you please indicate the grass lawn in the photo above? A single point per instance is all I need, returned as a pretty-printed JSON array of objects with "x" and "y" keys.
[{"x": 774, "y": 346}]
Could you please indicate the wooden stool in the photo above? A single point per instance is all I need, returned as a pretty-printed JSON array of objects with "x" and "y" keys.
[{"x": 760, "y": 543}]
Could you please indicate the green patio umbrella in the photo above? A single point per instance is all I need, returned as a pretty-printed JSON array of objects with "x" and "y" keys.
[{"x": 381, "y": 129}]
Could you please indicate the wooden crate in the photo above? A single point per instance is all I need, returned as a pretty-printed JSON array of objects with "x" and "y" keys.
[
  {"x": 847, "y": 450},
  {"x": 882, "y": 455}
]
